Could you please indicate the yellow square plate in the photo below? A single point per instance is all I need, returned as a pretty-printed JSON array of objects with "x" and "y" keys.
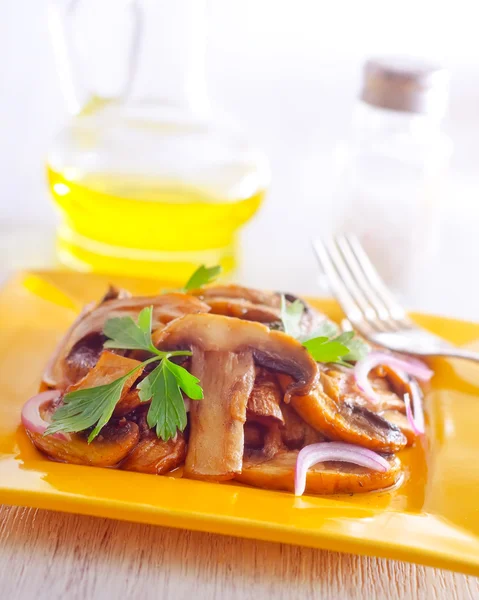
[{"x": 432, "y": 518}]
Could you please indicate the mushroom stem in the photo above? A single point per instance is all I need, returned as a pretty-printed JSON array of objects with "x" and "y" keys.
[
  {"x": 224, "y": 350},
  {"x": 215, "y": 449}
]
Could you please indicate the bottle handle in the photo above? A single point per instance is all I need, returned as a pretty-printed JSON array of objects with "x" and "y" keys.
[{"x": 66, "y": 40}]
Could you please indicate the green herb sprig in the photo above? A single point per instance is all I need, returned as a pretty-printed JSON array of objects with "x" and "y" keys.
[
  {"x": 291, "y": 315},
  {"x": 202, "y": 276},
  {"x": 325, "y": 344},
  {"x": 93, "y": 407}
]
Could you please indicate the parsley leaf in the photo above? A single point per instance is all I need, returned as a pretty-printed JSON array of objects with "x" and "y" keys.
[
  {"x": 358, "y": 349},
  {"x": 325, "y": 343},
  {"x": 342, "y": 349},
  {"x": 186, "y": 381},
  {"x": 345, "y": 337},
  {"x": 326, "y": 351},
  {"x": 93, "y": 407},
  {"x": 326, "y": 329},
  {"x": 291, "y": 315},
  {"x": 202, "y": 276},
  {"x": 167, "y": 409},
  {"x": 83, "y": 409},
  {"x": 125, "y": 333}
]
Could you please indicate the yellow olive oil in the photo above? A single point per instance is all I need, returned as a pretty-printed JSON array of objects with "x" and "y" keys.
[{"x": 135, "y": 225}]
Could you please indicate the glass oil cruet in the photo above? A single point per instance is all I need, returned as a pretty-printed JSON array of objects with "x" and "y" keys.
[{"x": 148, "y": 179}]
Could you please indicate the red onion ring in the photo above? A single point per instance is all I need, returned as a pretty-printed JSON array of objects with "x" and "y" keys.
[
  {"x": 413, "y": 367},
  {"x": 416, "y": 418},
  {"x": 336, "y": 451},
  {"x": 31, "y": 417}
]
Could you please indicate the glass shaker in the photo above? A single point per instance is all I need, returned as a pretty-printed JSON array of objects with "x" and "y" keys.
[
  {"x": 391, "y": 173},
  {"x": 149, "y": 181}
]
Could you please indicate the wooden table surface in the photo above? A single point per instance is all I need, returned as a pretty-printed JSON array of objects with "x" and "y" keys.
[{"x": 47, "y": 555}]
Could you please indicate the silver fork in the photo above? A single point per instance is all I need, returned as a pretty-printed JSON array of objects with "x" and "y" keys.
[{"x": 370, "y": 307}]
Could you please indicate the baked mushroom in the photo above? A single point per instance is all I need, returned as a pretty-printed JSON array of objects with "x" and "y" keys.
[
  {"x": 278, "y": 473},
  {"x": 155, "y": 456},
  {"x": 225, "y": 351},
  {"x": 344, "y": 420},
  {"x": 239, "y": 292},
  {"x": 389, "y": 387},
  {"x": 264, "y": 403},
  {"x": 255, "y": 305},
  {"x": 80, "y": 348},
  {"x": 114, "y": 443}
]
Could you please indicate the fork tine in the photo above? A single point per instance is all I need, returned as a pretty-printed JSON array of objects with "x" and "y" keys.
[
  {"x": 343, "y": 242},
  {"x": 344, "y": 271},
  {"x": 373, "y": 285},
  {"x": 340, "y": 290}
]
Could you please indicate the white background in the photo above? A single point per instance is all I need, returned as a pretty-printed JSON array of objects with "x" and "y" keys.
[{"x": 289, "y": 71}]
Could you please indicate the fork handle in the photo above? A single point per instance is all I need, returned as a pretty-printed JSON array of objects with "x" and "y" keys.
[{"x": 458, "y": 353}]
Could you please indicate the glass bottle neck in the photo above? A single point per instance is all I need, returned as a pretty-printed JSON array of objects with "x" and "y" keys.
[
  {"x": 130, "y": 51},
  {"x": 170, "y": 63}
]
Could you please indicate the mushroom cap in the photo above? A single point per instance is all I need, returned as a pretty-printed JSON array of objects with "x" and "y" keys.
[
  {"x": 113, "y": 444},
  {"x": 271, "y": 349}
]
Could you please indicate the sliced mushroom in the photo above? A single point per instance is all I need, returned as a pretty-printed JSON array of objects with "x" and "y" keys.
[
  {"x": 265, "y": 399},
  {"x": 224, "y": 350},
  {"x": 243, "y": 309},
  {"x": 215, "y": 449},
  {"x": 345, "y": 421},
  {"x": 66, "y": 365},
  {"x": 255, "y": 305},
  {"x": 273, "y": 441},
  {"x": 270, "y": 349},
  {"x": 84, "y": 355},
  {"x": 391, "y": 385},
  {"x": 139, "y": 416},
  {"x": 341, "y": 386},
  {"x": 128, "y": 403},
  {"x": 295, "y": 432},
  {"x": 399, "y": 420},
  {"x": 397, "y": 382},
  {"x": 390, "y": 388},
  {"x": 242, "y": 302},
  {"x": 253, "y": 435},
  {"x": 152, "y": 455},
  {"x": 264, "y": 407},
  {"x": 115, "y": 442},
  {"x": 388, "y": 399},
  {"x": 109, "y": 367},
  {"x": 53, "y": 374},
  {"x": 324, "y": 478},
  {"x": 239, "y": 292}
]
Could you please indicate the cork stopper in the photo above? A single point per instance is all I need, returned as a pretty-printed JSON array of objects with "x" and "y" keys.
[{"x": 406, "y": 85}]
